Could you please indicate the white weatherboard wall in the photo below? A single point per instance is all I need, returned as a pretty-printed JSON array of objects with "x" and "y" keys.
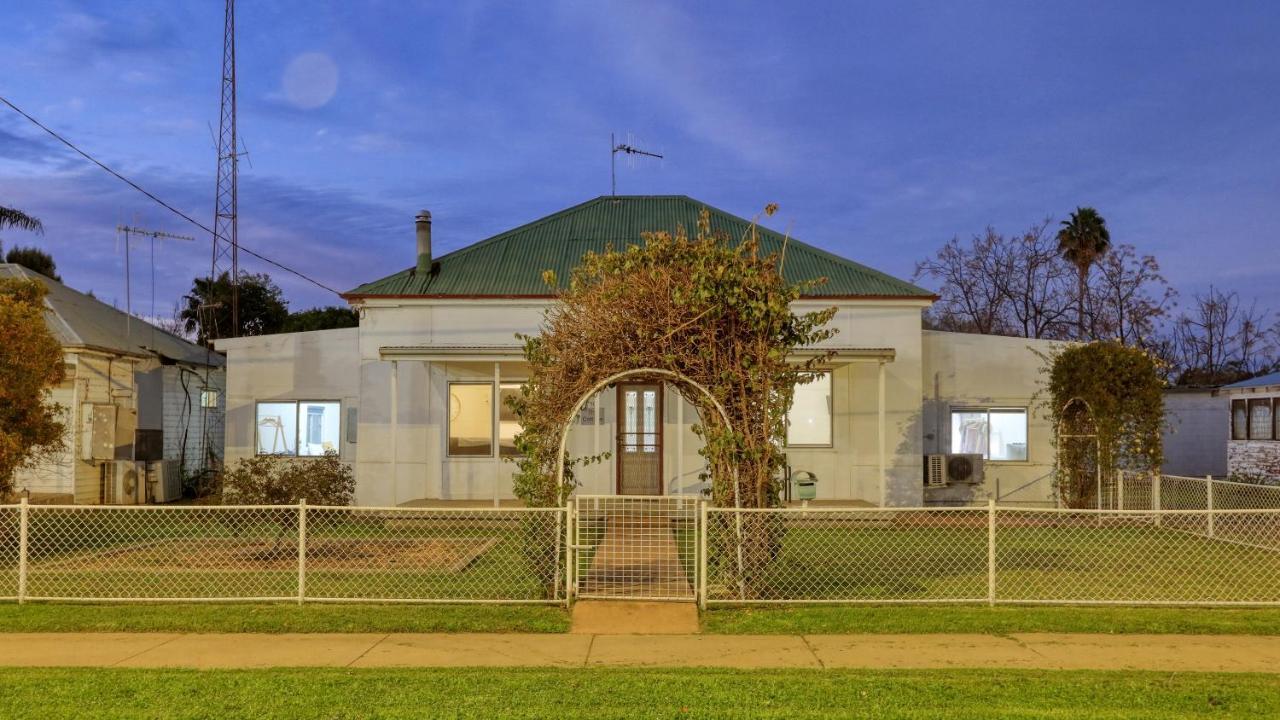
[
  {"x": 964, "y": 370},
  {"x": 1258, "y": 458},
  {"x": 1197, "y": 429}
]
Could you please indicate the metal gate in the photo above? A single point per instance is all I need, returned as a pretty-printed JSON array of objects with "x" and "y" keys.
[{"x": 635, "y": 547}]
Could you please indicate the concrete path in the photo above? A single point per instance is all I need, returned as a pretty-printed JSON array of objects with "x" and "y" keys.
[{"x": 1224, "y": 653}]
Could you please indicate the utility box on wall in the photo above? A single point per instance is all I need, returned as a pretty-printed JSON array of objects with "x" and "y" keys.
[
  {"x": 98, "y": 432},
  {"x": 107, "y": 432},
  {"x": 126, "y": 431}
]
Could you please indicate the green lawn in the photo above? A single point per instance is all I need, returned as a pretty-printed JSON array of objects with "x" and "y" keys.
[
  {"x": 602, "y": 694},
  {"x": 268, "y": 618},
  {"x": 1005, "y": 619},
  {"x": 830, "y": 558},
  {"x": 271, "y": 618},
  {"x": 109, "y": 556}
]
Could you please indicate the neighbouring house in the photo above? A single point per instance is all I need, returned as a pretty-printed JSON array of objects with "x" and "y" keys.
[
  {"x": 413, "y": 397},
  {"x": 1196, "y": 432},
  {"x": 143, "y": 406},
  {"x": 1254, "y": 447}
]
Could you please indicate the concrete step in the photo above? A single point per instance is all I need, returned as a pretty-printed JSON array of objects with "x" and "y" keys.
[{"x": 626, "y": 617}]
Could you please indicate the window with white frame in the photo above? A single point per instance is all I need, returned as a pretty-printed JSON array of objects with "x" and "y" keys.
[
  {"x": 809, "y": 418},
  {"x": 471, "y": 416},
  {"x": 306, "y": 428},
  {"x": 471, "y": 419},
  {"x": 1260, "y": 425},
  {"x": 999, "y": 434},
  {"x": 1239, "y": 420},
  {"x": 508, "y": 423},
  {"x": 208, "y": 398}
]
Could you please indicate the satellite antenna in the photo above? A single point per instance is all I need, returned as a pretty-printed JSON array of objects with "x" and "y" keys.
[{"x": 616, "y": 147}]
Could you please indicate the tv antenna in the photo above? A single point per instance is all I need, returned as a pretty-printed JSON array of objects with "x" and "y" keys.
[
  {"x": 616, "y": 147},
  {"x": 128, "y": 232}
]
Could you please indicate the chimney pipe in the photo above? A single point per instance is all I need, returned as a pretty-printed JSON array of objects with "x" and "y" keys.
[{"x": 422, "y": 224}]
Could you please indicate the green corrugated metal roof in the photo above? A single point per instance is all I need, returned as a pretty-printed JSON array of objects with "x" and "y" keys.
[{"x": 512, "y": 263}]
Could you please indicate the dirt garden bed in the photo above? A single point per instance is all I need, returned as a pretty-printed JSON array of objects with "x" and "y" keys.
[{"x": 441, "y": 555}]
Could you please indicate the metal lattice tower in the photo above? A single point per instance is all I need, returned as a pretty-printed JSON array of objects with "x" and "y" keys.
[{"x": 226, "y": 248}]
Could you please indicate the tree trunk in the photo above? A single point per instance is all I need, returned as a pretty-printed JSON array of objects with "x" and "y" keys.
[{"x": 1083, "y": 275}]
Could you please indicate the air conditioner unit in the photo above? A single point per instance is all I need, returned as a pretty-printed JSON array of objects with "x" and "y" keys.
[
  {"x": 965, "y": 468},
  {"x": 935, "y": 470},
  {"x": 952, "y": 469},
  {"x": 164, "y": 481},
  {"x": 127, "y": 483}
]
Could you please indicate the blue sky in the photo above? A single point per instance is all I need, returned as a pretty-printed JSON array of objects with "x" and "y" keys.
[{"x": 882, "y": 129}]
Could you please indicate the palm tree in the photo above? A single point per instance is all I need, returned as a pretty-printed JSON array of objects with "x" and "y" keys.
[
  {"x": 10, "y": 217},
  {"x": 1082, "y": 240}
]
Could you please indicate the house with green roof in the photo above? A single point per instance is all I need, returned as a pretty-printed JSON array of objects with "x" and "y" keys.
[{"x": 413, "y": 397}]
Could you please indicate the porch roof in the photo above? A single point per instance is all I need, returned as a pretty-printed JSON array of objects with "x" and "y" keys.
[{"x": 498, "y": 353}]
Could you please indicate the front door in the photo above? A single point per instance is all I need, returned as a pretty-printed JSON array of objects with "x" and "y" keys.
[{"x": 639, "y": 446}]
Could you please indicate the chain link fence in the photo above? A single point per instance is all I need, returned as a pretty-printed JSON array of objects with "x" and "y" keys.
[
  {"x": 274, "y": 553},
  {"x": 997, "y": 555},
  {"x": 840, "y": 555},
  {"x": 1160, "y": 540}
]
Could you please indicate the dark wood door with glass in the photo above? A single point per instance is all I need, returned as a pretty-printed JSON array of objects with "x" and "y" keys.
[{"x": 639, "y": 446}]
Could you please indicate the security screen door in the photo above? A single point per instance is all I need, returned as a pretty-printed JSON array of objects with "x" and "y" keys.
[{"x": 639, "y": 447}]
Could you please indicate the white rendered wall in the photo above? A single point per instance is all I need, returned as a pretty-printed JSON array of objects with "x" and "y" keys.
[{"x": 966, "y": 370}]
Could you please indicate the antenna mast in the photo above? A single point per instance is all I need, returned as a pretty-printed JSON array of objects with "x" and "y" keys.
[
  {"x": 129, "y": 231},
  {"x": 615, "y": 148},
  {"x": 226, "y": 247}
]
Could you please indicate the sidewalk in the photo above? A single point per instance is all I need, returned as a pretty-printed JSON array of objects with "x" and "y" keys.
[{"x": 1220, "y": 653}]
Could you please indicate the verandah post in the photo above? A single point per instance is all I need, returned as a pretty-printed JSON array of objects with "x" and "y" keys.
[
  {"x": 302, "y": 550},
  {"x": 23, "y": 511},
  {"x": 991, "y": 551}
]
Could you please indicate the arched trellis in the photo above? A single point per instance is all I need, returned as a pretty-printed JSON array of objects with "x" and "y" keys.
[
  {"x": 678, "y": 378},
  {"x": 642, "y": 373},
  {"x": 1097, "y": 442}
]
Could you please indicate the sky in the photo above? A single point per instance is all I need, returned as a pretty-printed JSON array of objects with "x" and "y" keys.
[{"x": 882, "y": 129}]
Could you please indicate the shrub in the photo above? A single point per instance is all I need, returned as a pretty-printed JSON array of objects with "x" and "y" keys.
[
  {"x": 275, "y": 480},
  {"x": 1106, "y": 402}
]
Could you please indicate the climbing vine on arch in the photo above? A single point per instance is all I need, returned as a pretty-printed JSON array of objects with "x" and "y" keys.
[
  {"x": 1106, "y": 403},
  {"x": 712, "y": 310}
]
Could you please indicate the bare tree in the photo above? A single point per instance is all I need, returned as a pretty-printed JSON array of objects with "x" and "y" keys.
[
  {"x": 970, "y": 298},
  {"x": 1035, "y": 283},
  {"x": 1002, "y": 285},
  {"x": 1128, "y": 298},
  {"x": 1218, "y": 340}
]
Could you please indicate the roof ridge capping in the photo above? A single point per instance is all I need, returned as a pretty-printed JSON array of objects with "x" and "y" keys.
[{"x": 510, "y": 264}]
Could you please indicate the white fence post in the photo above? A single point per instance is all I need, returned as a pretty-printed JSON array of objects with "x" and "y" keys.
[
  {"x": 1208, "y": 494},
  {"x": 702, "y": 554},
  {"x": 560, "y": 536},
  {"x": 570, "y": 557},
  {"x": 1156, "y": 500},
  {"x": 302, "y": 550},
  {"x": 1120, "y": 476},
  {"x": 991, "y": 551},
  {"x": 22, "y": 550}
]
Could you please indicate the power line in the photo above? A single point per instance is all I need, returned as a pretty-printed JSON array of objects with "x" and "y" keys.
[{"x": 156, "y": 199}]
